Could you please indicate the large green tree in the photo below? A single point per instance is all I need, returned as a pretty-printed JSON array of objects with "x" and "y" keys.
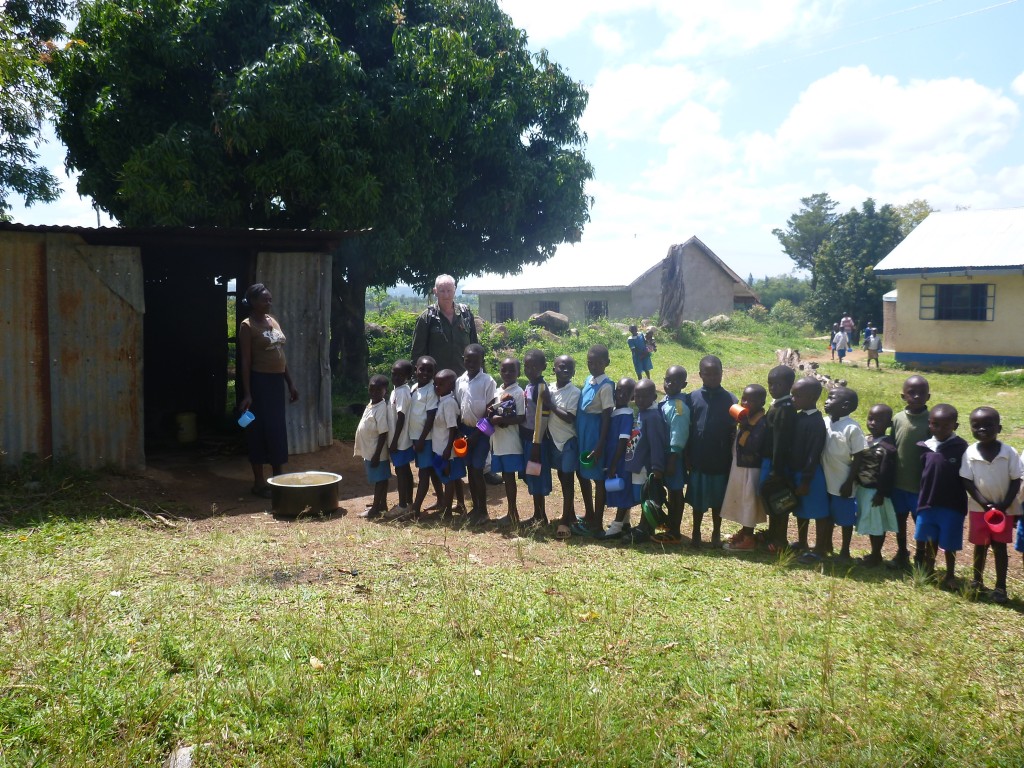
[
  {"x": 844, "y": 265},
  {"x": 807, "y": 230},
  {"x": 28, "y": 29},
  {"x": 430, "y": 122}
]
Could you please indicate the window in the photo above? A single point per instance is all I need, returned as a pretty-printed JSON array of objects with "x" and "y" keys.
[
  {"x": 596, "y": 310},
  {"x": 548, "y": 306},
  {"x": 501, "y": 311},
  {"x": 965, "y": 301}
]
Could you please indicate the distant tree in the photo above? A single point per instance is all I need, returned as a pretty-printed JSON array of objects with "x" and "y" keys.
[
  {"x": 27, "y": 31},
  {"x": 913, "y": 213},
  {"x": 790, "y": 287},
  {"x": 807, "y": 230},
  {"x": 430, "y": 122},
  {"x": 845, "y": 264}
]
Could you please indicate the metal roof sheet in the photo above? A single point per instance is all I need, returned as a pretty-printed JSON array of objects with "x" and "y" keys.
[{"x": 960, "y": 241}]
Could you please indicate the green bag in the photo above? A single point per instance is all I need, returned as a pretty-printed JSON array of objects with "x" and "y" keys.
[{"x": 779, "y": 497}]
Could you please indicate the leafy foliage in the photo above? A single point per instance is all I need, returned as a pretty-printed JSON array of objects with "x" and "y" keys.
[
  {"x": 808, "y": 229},
  {"x": 911, "y": 214},
  {"x": 791, "y": 287}
]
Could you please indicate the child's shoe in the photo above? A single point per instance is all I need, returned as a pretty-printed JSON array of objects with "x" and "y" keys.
[
  {"x": 999, "y": 596},
  {"x": 740, "y": 543},
  {"x": 615, "y": 529}
]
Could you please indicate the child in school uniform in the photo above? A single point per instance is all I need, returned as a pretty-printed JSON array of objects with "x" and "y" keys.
[
  {"x": 645, "y": 453},
  {"x": 709, "y": 449},
  {"x": 506, "y": 413},
  {"x": 532, "y": 432},
  {"x": 402, "y": 453},
  {"x": 840, "y": 462},
  {"x": 474, "y": 391},
  {"x": 780, "y": 425},
  {"x": 840, "y": 342},
  {"x": 809, "y": 435},
  {"x": 619, "y": 435},
  {"x": 448, "y": 467},
  {"x": 942, "y": 499},
  {"x": 743, "y": 503},
  {"x": 564, "y": 401},
  {"x": 675, "y": 409},
  {"x": 991, "y": 472},
  {"x": 421, "y": 423},
  {"x": 593, "y": 419},
  {"x": 371, "y": 444},
  {"x": 637, "y": 344},
  {"x": 909, "y": 430},
  {"x": 875, "y": 478}
]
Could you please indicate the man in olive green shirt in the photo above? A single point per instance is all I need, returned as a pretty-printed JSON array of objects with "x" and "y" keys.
[{"x": 445, "y": 329}]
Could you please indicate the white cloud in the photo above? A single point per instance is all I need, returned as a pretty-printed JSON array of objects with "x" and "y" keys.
[
  {"x": 1017, "y": 86},
  {"x": 608, "y": 39}
]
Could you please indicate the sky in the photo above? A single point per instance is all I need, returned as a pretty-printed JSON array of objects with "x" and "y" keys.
[{"x": 714, "y": 119}]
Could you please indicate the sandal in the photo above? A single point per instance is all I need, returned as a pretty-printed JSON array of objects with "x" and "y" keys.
[
  {"x": 563, "y": 532},
  {"x": 667, "y": 538},
  {"x": 580, "y": 529}
]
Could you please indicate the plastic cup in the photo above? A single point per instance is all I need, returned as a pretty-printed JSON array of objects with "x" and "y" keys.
[
  {"x": 613, "y": 484},
  {"x": 738, "y": 412},
  {"x": 995, "y": 519},
  {"x": 533, "y": 468},
  {"x": 587, "y": 460},
  {"x": 460, "y": 447},
  {"x": 485, "y": 426},
  {"x": 246, "y": 419}
]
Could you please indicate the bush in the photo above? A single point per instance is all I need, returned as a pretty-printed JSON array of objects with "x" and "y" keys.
[
  {"x": 758, "y": 312},
  {"x": 788, "y": 313},
  {"x": 689, "y": 335},
  {"x": 393, "y": 345}
]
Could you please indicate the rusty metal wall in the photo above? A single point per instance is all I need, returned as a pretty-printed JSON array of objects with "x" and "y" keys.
[
  {"x": 96, "y": 309},
  {"x": 24, "y": 367},
  {"x": 301, "y": 285}
]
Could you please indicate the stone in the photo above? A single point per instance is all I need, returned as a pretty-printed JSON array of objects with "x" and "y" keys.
[
  {"x": 374, "y": 331},
  {"x": 499, "y": 332},
  {"x": 479, "y": 323},
  {"x": 718, "y": 321},
  {"x": 555, "y": 322}
]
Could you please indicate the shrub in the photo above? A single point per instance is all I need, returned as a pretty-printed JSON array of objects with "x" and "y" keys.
[
  {"x": 395, "y": 344},
  {"x": 689, "y": 335},
  {"x": 788, "y": 313},
  {"x": 758, "y": 312}
]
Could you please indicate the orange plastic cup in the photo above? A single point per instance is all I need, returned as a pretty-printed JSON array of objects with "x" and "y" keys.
[
  {"x": 460, "y": 447},
  {"x": 995, "y": 519},
  {"x": 738, "y": 412}
]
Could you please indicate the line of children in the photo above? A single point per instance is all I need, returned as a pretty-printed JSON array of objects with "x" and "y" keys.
[{"x": 912, "y": 464}]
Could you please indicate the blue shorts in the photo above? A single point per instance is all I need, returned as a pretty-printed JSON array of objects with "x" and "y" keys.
[
  {"x": 379, "y": 474},
  {"x": 904, "y": 502},
  {"x": 510, "y": 462},
  {"x": 814, "y": 505},
  {"x": 425, "y": 458},
  {"x": 1019, "y": 546},
  {"x": 842, "y": 510},
  {"x": 477, "y": 455},
  {"x": 537, "y": 485},
  {"x": 841, "y": 351},
  {"x": 567, "y": 459},
  {"x": 942, "y": 526},
  {"x": 456, "y": 468},
  {"x": 677, "y": 480},
  {"x": 403, "y": 458},
  {"x": 706, "y": 491}
]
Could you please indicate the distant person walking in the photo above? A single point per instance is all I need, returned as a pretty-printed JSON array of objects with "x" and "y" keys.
[
  {"x": 444, "y": 330},
  {"x": 847, "y": 325},
  {"x": 642, "y": 362}
]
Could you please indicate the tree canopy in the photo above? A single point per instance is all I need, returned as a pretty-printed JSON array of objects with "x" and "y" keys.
[
  {"x": 430, "y": 122},
  {"x": 808, "y": 229},
  {"x": 27, "y": 31}
]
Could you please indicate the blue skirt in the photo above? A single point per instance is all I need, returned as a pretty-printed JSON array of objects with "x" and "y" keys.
[
  {"x": 706, "y": 491},
  {"x": 588, "y": 428}
]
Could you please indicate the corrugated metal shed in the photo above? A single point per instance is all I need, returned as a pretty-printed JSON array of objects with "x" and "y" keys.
[{"x": 958, "y": 242}]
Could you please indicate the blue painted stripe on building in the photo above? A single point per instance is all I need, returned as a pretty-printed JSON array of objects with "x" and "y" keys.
[{"x": 931, "y": 360}]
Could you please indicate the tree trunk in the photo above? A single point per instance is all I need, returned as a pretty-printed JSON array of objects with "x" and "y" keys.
[
  {"x": 670, "y": 313},
  {"x": 349, "y": 350}
]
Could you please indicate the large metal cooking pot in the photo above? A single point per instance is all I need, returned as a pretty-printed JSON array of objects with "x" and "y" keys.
[{"x": 304, "y": 493}]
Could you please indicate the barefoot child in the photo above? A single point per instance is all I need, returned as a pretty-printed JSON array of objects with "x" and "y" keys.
[
  {"x": 991, "y": 472},
  {"x": 532, "y": 432},
  {"x": 942, "y": 500},
  {"x": 875, "y": 513},
  {"x": 371, "y": 444},
  {"x": 645, "y": 453},
  {"x": 450, "y": 469},
  {"x": 641, "y": 355},
  {"x": 909, "y": 428},
  {"x": 564, "y": 401},
  {"x": 506, "y": 413},
  {"x": 840, "y": 461},
  {"x": 675, "y": 409},
  {"x": 593, "y": 420},
  {"x": 709, "y": 449},
  {"x": 421, "y": 422},
  {"x": 402, "y": 454},
  {"x": 809, "y": 435},
  {"x": 781, "y": 425},
  {"x": 474, "y": 391},
  {"x": 743, "y": 503},
  {"x": 619, "y": 435}
]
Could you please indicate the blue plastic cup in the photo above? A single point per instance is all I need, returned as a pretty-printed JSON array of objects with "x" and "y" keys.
[
  {"x": 613, "y": 484},
  {"x": 246, "y": 419}
]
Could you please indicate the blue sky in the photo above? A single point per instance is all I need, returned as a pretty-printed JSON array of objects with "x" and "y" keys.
[{"x": 713, "y": 119}]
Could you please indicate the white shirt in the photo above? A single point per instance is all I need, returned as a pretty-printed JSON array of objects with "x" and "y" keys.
[
  {"x": 447, "y": 417},
  {"x": 424, "y": 400},
  {"x": 992, "y": 479},
  {"x": 844, "y": 439},
  {"x": 840, "y": 340},
  {"x": 568, "y": 399},
  {"x": 505, "y": 440},
  {"x": 604, "y": 397},
  {"x": 401, "y": 402},
  {"x": 473, "y": 396},
  {"x": 372, "y": 425}
]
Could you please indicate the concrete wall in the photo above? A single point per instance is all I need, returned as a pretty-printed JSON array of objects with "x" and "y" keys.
[
  {"x": 959, "y": 343},
  {"x": 571, "y": 303},
  {"x": 708, "y": 289},
  {"x": 646, "y": 295},
  {"x": 890, "y": 326}
]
